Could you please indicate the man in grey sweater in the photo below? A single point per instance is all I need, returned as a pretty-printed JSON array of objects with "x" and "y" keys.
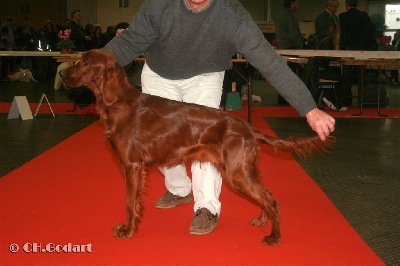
[{"x": 188, "y": 44}]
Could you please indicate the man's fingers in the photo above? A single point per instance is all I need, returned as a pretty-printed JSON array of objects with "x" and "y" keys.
[
  {"x": 321, "y": 135},
  {"x": 321, "y": 122},
  {"x": 324, "y": 130},
  {"x": 331, "y": 127}
]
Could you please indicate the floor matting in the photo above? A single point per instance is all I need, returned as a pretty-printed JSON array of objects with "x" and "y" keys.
[{"x": 360, "y": 176}]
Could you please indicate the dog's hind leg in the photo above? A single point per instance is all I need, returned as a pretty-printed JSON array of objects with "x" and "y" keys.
[
  {"x": 244, "y": 179},
  {"x": 275, "y": 236},
  {"x": 134, "y": 179},
  {"x": 260, "y": 221}
]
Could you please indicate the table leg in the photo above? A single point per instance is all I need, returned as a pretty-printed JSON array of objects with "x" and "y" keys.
[
  {"x": 360, "y": 90},
  {"x": 249, "y": 81},
  {"x": 379, "y": 94}
]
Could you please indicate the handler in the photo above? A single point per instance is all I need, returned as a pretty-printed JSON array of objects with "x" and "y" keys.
[{"x": 188, "y": 45}]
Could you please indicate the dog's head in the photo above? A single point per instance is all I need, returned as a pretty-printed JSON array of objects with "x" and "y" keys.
[
  {"x": 23, "y": 71},
  {"x": 25, "y": 75},
  {"x": 98, "y": 70}
]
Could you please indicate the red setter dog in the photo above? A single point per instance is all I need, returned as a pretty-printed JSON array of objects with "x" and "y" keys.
[{"x": 148, "y": 130}]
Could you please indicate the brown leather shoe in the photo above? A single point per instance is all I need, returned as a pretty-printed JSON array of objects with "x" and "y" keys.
[
  {"x": 169, "y": 200},
  {"x": 203, "y": 222}
]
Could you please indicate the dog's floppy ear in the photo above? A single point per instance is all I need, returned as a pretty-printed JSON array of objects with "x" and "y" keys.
[{"x": 110, "y": 85}]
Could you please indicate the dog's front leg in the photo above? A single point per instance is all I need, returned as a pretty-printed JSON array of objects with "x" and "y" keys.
[{"x": 134, "y": 179}]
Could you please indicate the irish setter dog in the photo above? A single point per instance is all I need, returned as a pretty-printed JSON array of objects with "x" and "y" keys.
[{"x": 148, "y": 130}]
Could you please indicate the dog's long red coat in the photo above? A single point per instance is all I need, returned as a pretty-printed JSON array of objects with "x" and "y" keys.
[{"x": 146, "y": 130}]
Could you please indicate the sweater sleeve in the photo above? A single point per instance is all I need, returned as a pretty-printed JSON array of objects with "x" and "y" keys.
[
  {"x": 137, "y": 38},
  {"x": 260, "y": 54}
]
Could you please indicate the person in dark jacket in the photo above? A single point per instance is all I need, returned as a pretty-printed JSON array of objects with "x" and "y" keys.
[
  {"x": 288, "y": 34},
  {"x": 356, "y": 29},
  {"x": 326, "y": 24},
  {"x": 396, "y": 45},
  {"x": 77, "y": 31},
  {"x": 356, "y": 33},
  {"x": 326, "y": 29}
]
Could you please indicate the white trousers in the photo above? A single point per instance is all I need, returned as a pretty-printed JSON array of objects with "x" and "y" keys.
[{"x": 204, "y": 89}]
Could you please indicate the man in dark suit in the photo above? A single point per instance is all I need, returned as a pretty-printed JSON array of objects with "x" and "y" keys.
[
  {"x": 77, "y": 31},
  {"x": 326, "y": 30},
  {"x": 356, "y": 33},
  {"x": 356, "y": 29},
  {"x": 326, "y": 24},
  {"x": 396, "y": 45}
]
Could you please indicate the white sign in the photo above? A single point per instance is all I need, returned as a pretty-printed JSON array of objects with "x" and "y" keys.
[{"x": 20, "y": 106}]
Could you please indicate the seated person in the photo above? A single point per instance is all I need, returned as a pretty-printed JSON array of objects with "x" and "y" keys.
[{"x": 333, "y": 93}]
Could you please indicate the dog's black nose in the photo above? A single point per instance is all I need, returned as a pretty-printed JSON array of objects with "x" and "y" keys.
[{"x": 61, "y": 73}]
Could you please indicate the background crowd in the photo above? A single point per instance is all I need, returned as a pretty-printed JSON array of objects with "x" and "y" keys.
[
  {"x": 350, "y": 30},
  {"x": 23, "y": 37}
]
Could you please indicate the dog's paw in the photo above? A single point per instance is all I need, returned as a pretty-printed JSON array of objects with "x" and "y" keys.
[
  {"x": 258, "y": 222},
  {"x": 271, "y": 240},
  {"x": 123, "y": 231}
]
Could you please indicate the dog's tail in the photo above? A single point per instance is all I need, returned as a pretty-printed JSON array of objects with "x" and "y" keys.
[{"x": 299, "y": 146}]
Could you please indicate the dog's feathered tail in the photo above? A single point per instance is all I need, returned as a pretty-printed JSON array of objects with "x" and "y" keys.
[{"x": 299, "y": 146}]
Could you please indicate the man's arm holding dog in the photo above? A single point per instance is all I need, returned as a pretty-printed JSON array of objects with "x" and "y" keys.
[{"x": 320, "y": 122}]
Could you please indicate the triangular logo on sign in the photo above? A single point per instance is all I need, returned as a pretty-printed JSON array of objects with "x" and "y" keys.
[{"x": 40, "y": 103}]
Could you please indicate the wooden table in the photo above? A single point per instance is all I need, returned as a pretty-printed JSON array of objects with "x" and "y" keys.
[
  {"x": 367, "y": 55},
  {"x": 370, "y": 64},
  {"x": 363, "y": 59},
  {"x": 73, "y": 57}
]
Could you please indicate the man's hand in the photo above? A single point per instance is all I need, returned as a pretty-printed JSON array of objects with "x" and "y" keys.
[{"x": 321, "y": 122}]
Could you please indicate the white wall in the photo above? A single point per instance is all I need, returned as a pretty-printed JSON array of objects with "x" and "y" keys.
[
  {"x": 392, "y": 16},
  {"x": 110, "y": 13}
]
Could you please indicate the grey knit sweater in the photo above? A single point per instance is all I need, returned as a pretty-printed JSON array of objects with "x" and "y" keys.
[{"x": 178, "y": 44}]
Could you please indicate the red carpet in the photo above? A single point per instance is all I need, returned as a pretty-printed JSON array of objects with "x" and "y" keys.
[{"x": 74, "y": 193}]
